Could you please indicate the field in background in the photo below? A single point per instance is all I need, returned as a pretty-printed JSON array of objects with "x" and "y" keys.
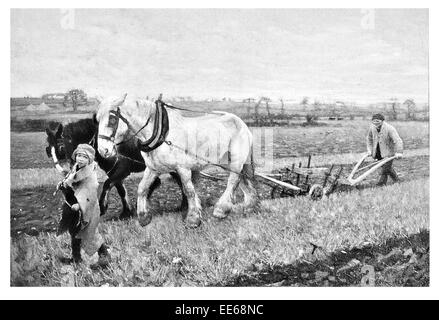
[
  {"x": 36, "y": 117},
  {"x": 28, "y": 149}
]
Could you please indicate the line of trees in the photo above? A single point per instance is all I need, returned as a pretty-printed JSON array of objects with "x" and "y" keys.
[{"x": 314, "y": 109}]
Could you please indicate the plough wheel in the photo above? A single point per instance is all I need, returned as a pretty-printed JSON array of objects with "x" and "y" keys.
[
  {"x": 316, "y": 192},
  {"x": 280, "y": 192}
]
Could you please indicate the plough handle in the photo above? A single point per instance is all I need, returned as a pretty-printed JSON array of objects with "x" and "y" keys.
[{"x": 377, "y": 165}]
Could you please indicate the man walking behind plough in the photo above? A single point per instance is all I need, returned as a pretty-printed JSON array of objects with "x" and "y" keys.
[{"x": 383, "y": 141}]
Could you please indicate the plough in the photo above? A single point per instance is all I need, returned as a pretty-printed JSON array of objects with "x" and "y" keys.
[{"x": 295, "y": 181}]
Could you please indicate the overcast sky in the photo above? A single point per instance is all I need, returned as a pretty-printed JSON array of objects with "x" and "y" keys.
[{"x": 323, "y": 54}]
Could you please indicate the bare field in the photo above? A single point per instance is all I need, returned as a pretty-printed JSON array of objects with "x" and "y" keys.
[{"x": 28, "y": 149}]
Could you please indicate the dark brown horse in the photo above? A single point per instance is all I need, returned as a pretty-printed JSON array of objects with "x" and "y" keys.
[{"x": 63, "y": 140}]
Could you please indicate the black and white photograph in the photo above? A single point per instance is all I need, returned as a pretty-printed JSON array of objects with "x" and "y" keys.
[{"x": 219, "y": 147}]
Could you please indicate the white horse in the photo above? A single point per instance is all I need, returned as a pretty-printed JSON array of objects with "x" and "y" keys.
[{"x": 190, "y": 144}]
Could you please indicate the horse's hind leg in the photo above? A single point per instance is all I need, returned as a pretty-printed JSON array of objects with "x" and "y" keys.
[
  {"x": 193, "y": 218},
  {"x": 127, "y": 211},
  {"x": 248, "y": 187},
  {"x": 143, "y": 203},
  {"x": 225, "y": 203}
]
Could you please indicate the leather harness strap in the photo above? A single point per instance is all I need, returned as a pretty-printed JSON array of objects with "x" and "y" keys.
[
  {"x": 160, "y": 131},
  {"x": 159, "y": 134}
]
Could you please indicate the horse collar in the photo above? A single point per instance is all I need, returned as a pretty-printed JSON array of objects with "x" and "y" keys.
[{"x": 160, "y": 131}]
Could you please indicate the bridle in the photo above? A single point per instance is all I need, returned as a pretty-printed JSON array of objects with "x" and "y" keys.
[
  {"x": 113, "y": 123},
  {"x": 159, "y": 132},
  {"x": 59, "y": 146}
]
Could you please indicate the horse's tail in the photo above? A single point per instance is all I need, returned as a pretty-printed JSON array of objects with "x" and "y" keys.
[
  {"x": 248, "y": 169},
  {"x": 248, "y": 184}
]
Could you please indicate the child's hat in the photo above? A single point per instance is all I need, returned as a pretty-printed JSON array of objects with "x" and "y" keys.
[{"x": 85, "y": 149}]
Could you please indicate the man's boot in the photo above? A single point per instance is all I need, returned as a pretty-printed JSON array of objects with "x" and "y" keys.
[
  {"x": 394, "y": 175},
  {"x": 383, "y": 178}
]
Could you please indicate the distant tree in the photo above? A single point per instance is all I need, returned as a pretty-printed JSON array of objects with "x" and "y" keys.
[
  {"x": 248, "y": 102},
  {"x": 282, "y": 110},
  {"x": 352, "y": 110},
  {"x": 304, "y": 103},
  {"x": 394, "y": 107},
  {"x": 76, "y": 97},
  {"x": 311, "y": 115},
  {"x": 317, "y": 105},
  {"x": 411, "y": 106}
]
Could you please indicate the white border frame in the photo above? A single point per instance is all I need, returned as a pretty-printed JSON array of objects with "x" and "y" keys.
[{"x": 211, "y": 293}]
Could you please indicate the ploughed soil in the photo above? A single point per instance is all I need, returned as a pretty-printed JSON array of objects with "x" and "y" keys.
[
  {"x": 400, "y": 261},
  {"x": 35, "y": 210}
]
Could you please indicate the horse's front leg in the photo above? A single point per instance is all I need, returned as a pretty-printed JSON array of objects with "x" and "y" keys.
[
  {"x": 127, "y": 211},
  {"x": 143, "y": 203},
  {"x": 183, "y": 205},
  {"x": 193, "y": 218},
  {"x": 103, "y": 200}
]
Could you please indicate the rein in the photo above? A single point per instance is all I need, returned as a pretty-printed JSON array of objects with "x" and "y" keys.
[
  {"x": 182, "y": 109},
  {"x": 195, "y": 156},
  {"x": 92, "y": 142}
]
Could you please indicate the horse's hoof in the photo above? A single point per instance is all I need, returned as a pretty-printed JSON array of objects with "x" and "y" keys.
[
  {"x": 219, "y": 213},
  {"x": 126, "y": 214},
  {"x": 103, "y": 209},
  {"x": 103, "y": 262},
  {"x": 65, "y": 260},
  {"x": 193, "y": 222},
  {"x": 183, "y": 207},
  {"x": 239, "y": 209},
  {"x": 145, "y": 219}
]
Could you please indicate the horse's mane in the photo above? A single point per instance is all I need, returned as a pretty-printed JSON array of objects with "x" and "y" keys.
[{"x": 80, "y": 130}]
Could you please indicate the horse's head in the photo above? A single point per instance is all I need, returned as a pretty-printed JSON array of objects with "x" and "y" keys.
[
  {"x": 56, "y": 148},
  {"x": 111, "y": 129}
]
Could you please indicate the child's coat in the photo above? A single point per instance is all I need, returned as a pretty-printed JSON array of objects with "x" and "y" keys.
[{"x": 85, "y": 184}]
